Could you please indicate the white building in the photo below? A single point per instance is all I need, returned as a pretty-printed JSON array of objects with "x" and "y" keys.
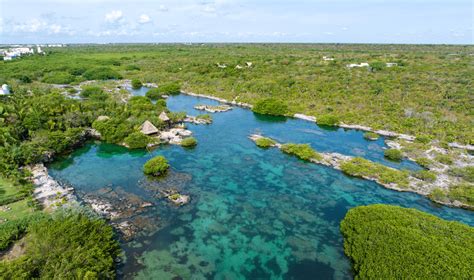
[
  {"x": 248, "y": 64},
  {"x": 221, "y": 65},
  {"x": 391, "y": 64},
  {"x": 4, "y": 90},
  {"x": 363, "y": 64},
  {"x": 327, "y": 58}
]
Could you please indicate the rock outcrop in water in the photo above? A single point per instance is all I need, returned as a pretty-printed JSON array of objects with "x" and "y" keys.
[{"x": 213, "y": 108}]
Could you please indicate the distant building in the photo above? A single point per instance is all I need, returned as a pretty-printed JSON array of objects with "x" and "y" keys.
[
  {"x": 363, "y": 64},
  {"x": 238, "y": 67},
  {"x": 391, "y": 64},
  {"x": 221, "y": 65},
  {"x": 248, "y": 64},
  {"x": 327, "y": 58},
  {"x": 4, "y": 90},
  {"x": 148, "y": 128}
]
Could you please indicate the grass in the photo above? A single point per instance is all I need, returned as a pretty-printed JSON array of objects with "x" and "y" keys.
[
  {"x": 9, "y": 192},
  {"x": 19, "y": 210}
]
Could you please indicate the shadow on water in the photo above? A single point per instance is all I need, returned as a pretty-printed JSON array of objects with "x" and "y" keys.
[{"x": 270, "y": 119}]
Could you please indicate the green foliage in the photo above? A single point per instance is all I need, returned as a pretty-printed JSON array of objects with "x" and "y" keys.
[
  {"x": 170, "y": 88},
  {"x": 154, "y": 94},
  {"x": 463, "y": 193},
  {"x": 189, "y": 142},
  {"x": 136, "y": 84},
  {"x": 101, "y": 73},
  {"x": 438, "y": 194},
  {"x": 371, "y": 136},
  {"x": 90, "y": 91},
  {"x": 132, "y": 67},
  {"x": 425, "y": 175},
  {"x": 466, "y": 173},
  {"x": 390, "y": 242},
  {"x": 58, "y": 78},
  {"x": 424, "y": 162},
  {"x": 137, "y": 140},
  {"x": 112, "y": 130},
  {"x": 444, "y": 159},
  {"x": 11, "y": 231},
  {"x": 205, "y": 117},
  {"x": 271, "y": 106},
  {"x": 424, "y": 139},
  {"x": 302, "y": 151},
  {"x": 377, "y": 66},
  {"x": 328, "y": 120},
  {"x": 360, "y": 167},
  {"x": 265, "y": 142},
  {"x": 393, "y": 154},
  {"x": 156, "y": 166},
  {"x": 67, "y": 246}
]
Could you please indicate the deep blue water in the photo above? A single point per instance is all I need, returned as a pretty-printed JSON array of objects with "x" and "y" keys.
[{"x": 255, "y": 213}]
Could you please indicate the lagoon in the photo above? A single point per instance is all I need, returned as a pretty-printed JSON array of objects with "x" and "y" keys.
[{"x": 255, "y": 213}]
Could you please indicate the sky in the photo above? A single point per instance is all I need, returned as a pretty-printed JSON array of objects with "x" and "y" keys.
[{"x": 157, "y": 21}]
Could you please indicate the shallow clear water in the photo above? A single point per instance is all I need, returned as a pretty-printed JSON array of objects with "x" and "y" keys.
[{"x": 255, "y": 213}]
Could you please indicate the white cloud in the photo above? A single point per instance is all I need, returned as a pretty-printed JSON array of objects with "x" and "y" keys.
[
  {"x": 114, "y": 16},
  {"x": 144, "y": 19}
]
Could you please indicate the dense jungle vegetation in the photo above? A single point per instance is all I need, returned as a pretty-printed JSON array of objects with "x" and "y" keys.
[
  {"x": 429, "y": 93},
  {"x": 421, "y": 245}
]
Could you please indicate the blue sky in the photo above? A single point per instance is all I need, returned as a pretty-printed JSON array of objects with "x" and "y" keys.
[{"x": 343, "y": 21}]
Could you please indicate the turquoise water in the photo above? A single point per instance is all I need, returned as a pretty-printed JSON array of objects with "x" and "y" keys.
[{"x": 255, "y": 213}]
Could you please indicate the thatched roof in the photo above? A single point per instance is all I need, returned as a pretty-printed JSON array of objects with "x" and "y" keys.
[
  {"x": 164, "y": 117},
  {"x": 148, "y": 128}
]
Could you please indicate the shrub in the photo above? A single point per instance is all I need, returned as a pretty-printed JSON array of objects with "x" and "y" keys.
[
  {"x": 101, "y": 73},
  {"x": 136, "y": 84},
  {"x": 137, "y": 140},
  {"x": 132, "y": 67},
  {"x": 170, "y": 88},
  {"x": 156, "y": 166},
  {"x": 377, "y": 66},
  {"x": 154, "y": 94},
  {"x": 265, "y": 142},
  {"x": 302, "y": 151},
  {"x": 87, "y": 92},
  {"x": 77, "y": 71},
  {"x": 463, "y": 193},
  {"x": 271, "y": 106},
  {"x": 424, "y": 139},
  {"x": 393, "y": 154},
  {"x": 189, "y": 142},
  {"x": 360, "y": 167},
  {"x": 437, "y": 194},
  {"x": 424, "y": 162},
  {"x": 425, "y": 175},
  {"x": 58, "y": 78},
  {"x": 467, "y": 173},
  {"x": 444, "y": 159},
  {"x": 371, "y": 136},
  {"x": 205, "y": 117},
  {"x": 391, "y": 242},
  {"x": 68, "y": 246},
  {"x": 329, "y": 120}
]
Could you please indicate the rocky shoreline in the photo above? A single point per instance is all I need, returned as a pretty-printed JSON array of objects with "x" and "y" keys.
[
  {"x": 48, "y": 191},
  {"x": 334, "y": 160},
  {"x": 213, "y": 108}
]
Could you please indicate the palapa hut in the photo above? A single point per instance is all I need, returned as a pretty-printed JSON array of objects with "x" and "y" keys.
[
  {"x": 164, "y": 118},
  {"x": 148, "y": 128}
]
